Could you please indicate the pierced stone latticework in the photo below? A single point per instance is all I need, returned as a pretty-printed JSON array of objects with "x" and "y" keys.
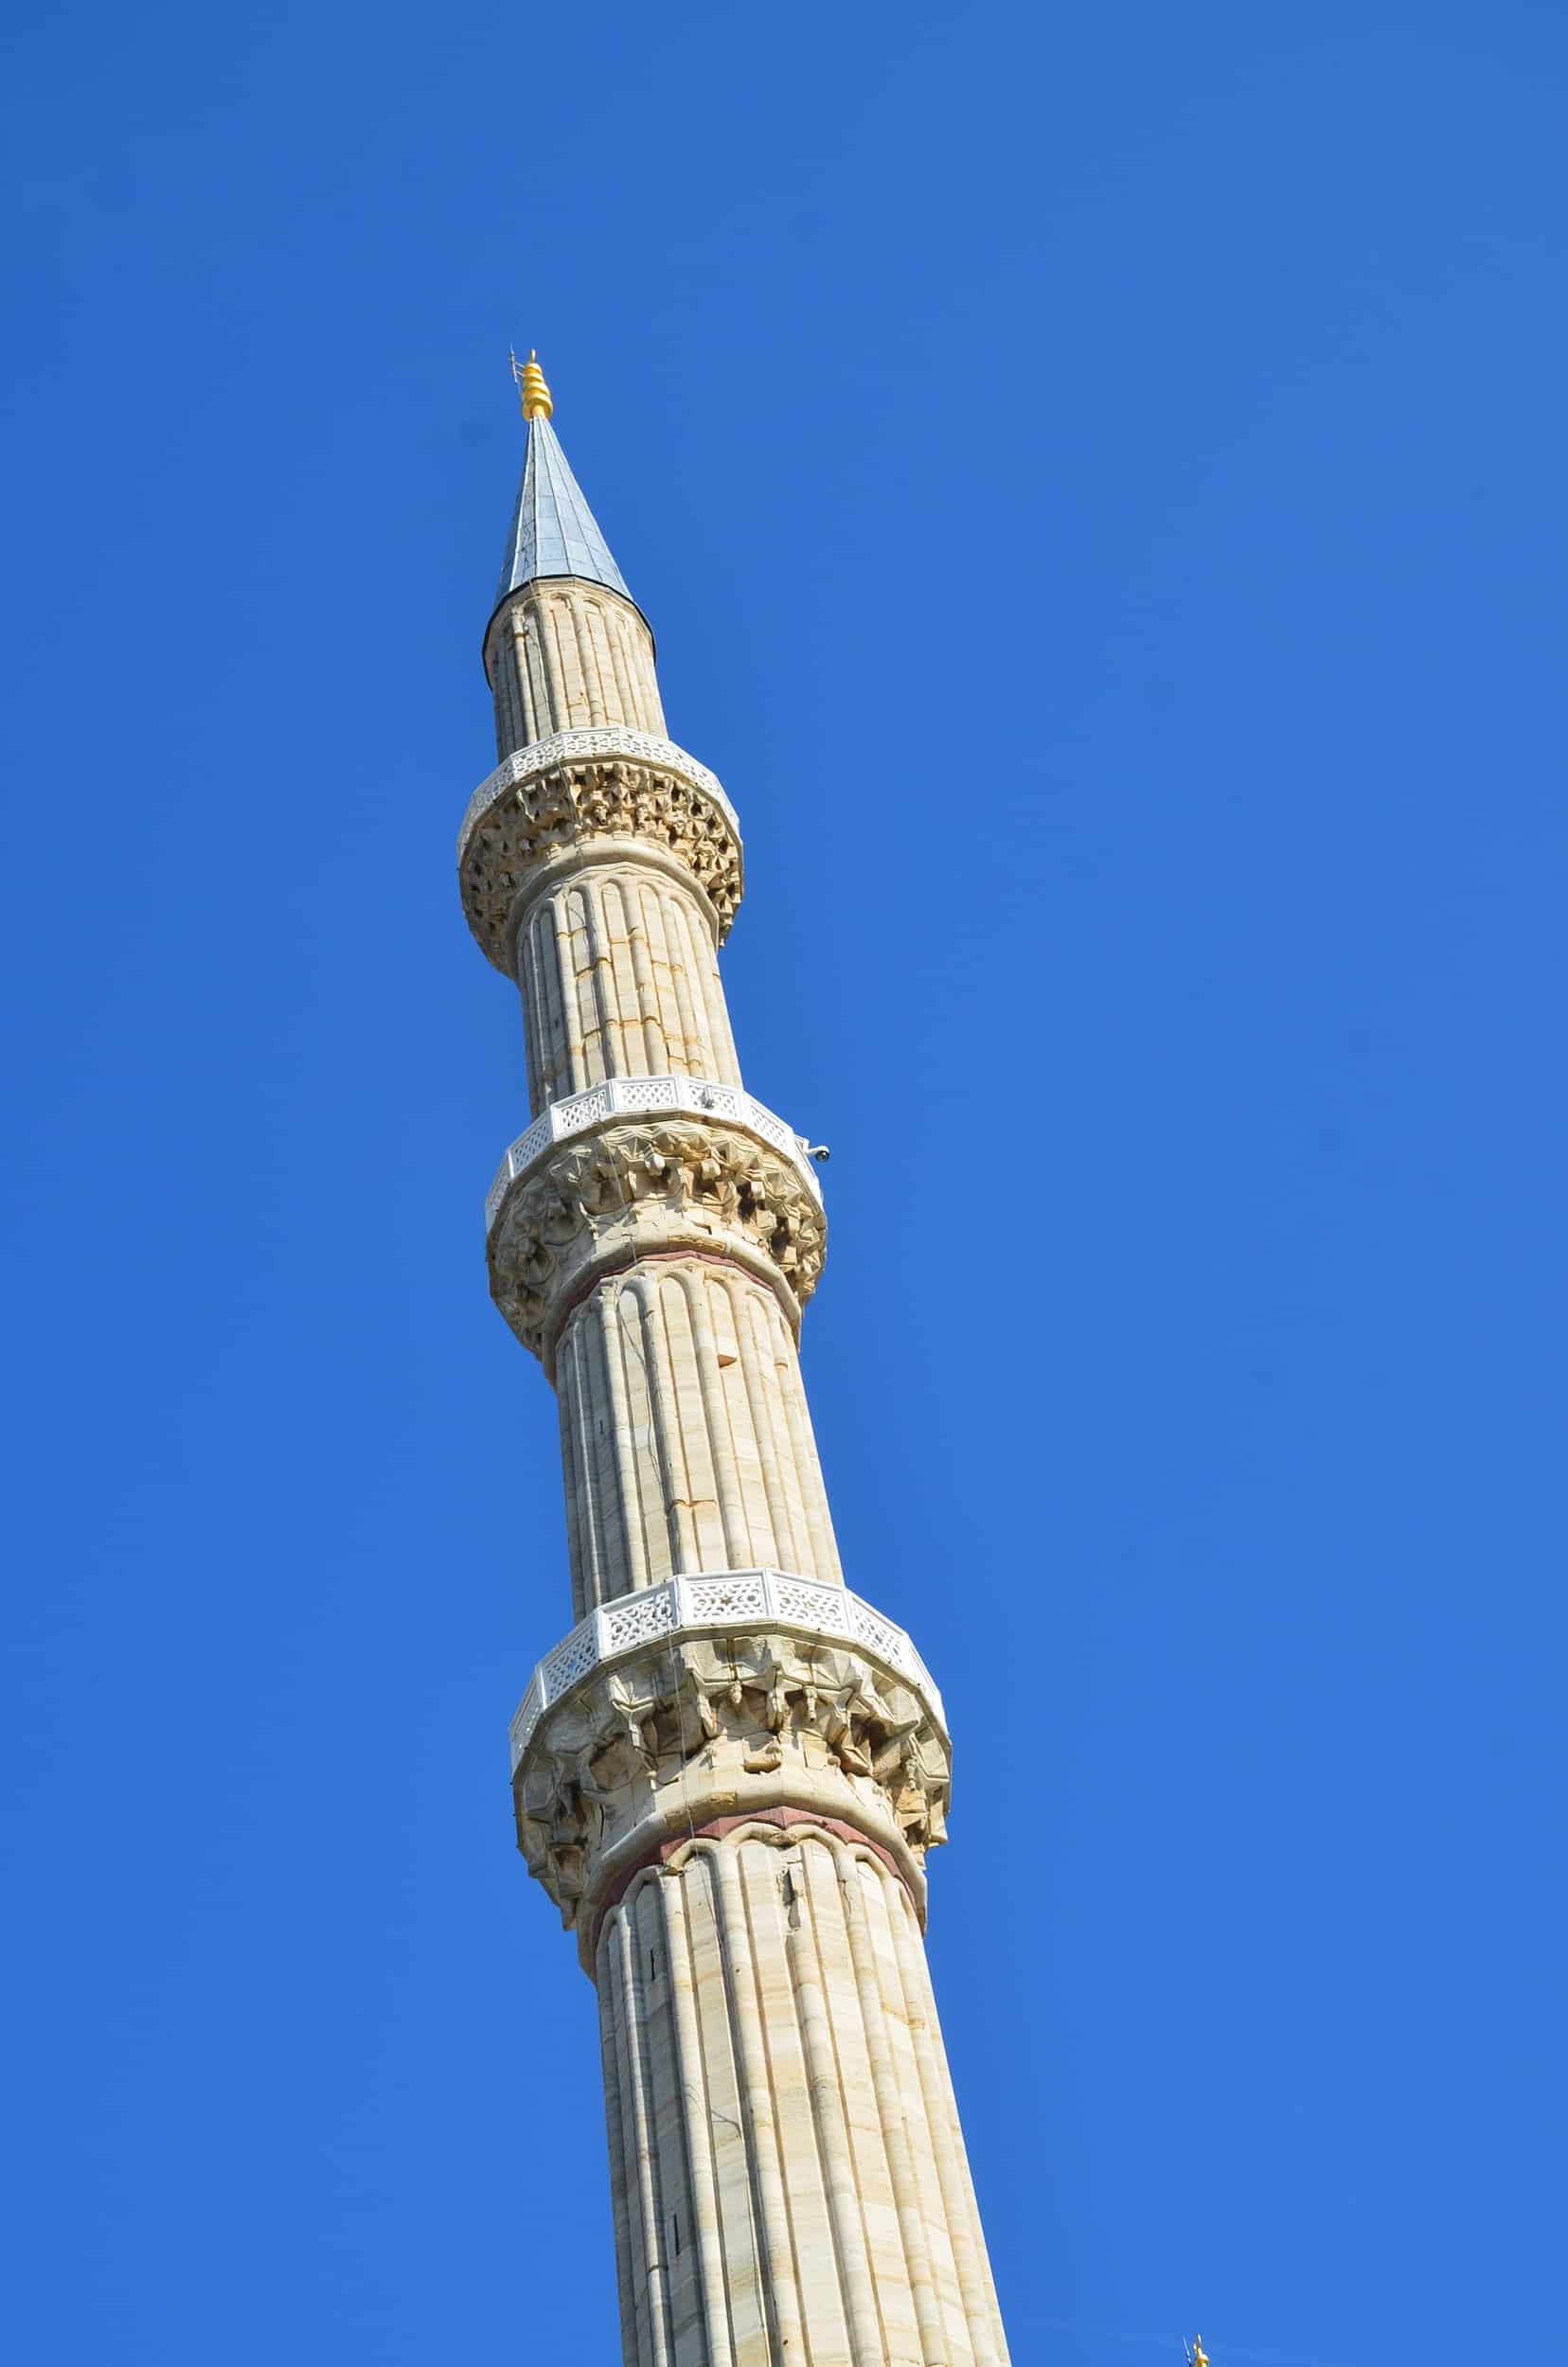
[
  {"x": 583, "y": 785},
  {"x": 701, "y": 1097},
  {"x": 728, "y": 1600}
]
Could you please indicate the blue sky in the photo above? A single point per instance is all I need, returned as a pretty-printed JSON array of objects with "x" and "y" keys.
[{"x": 1097, "y": 479}]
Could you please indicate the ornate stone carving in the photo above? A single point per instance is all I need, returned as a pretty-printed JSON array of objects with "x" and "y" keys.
[
  {"x": 692, "y": 1727},
  {"x": 644, "y": 1098},
  {"x": 639, "y": 1191},
  {"x": 558, "y": 793},
  {"x": 712, "y": 1599}
]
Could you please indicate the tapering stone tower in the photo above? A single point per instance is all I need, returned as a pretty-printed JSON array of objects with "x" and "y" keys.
[{"x": 728, "y": 1774}]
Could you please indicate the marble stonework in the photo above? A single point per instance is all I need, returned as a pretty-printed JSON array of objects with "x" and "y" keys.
[{"x": 728, "y": 1777}]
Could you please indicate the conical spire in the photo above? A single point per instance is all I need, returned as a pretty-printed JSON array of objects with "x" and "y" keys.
[{"x": 553, "y": 531}]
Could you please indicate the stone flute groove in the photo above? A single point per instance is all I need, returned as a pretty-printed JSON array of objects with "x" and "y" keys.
[
  {"x": 729, "y": 1774},
  {"x": 620, "y": 978},
  {"x": 562, "y": 658},
  {"x": 685, "y": 1437},
  {"x": 800, "y": 2162}
]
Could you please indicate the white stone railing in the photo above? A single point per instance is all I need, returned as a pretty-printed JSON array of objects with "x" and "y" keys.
[
  {"x": 729, "y": 1599},
  {"x": 645, "y": 1096},
  {"x": 541, "y": 756}
]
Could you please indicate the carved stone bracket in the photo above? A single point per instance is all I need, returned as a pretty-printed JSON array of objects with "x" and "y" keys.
[
  {"x": 692, "y": 1727},
  {"x": 634, "y": 1190},
  {"x": 583, "y": 785}
]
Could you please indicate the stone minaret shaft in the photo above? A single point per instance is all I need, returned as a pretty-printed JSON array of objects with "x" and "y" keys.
[{"x": 727, "y": 1776}]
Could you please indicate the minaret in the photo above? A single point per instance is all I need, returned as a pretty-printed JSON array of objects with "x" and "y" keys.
[{"x": 727, "y": 1775}]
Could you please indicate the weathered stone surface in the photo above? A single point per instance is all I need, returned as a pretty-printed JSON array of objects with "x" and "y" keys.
[
  {"x": 787, "y": 2167},
  {"x": 620, "y": 978},
  {"x": 734, "y": 1818},
  {"x": 685, "y": 1437},
  {"x": 575, "y": 804},
  {"x": 563, "y": 655},
  {"x": 697, "y": 1727},
  {"x": 634, "y": 1191}
]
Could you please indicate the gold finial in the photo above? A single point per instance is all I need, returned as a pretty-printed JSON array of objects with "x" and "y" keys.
[
  {"x": 1198, "y": 2357},
  {"x": 532, "y": 391}
]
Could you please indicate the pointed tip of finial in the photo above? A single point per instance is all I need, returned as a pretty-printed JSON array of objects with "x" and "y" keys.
[{"x": 532, "y": 392}]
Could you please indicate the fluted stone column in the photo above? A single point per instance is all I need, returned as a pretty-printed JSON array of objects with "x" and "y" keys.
[
  {"x": 618, "y": 965},
  {"x": 562, "y": 655},
  {"x": 788, "y": 2170},
  {"x": 685, "y": 1435},
  {"x": 729, "y": 1772}
]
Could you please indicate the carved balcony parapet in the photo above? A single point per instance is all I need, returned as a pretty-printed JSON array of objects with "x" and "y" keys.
[
  {"x": 664, "y": 1188},
  {"x": 642, "y": 1165},
  {"x": 728, "y": 1599},
  {"x": 748, "y": 1692},
  {"x": 607, "y": 782},
  {"x": 647, "y": 1097}
]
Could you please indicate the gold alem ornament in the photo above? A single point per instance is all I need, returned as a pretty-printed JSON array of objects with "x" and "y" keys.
[
  {"x": 1197, "y": 2356},
  {"x": 531, "y": 390}
]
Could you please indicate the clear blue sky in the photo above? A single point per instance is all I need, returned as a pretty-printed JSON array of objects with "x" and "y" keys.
[{"x": 1097, "y": 477}]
